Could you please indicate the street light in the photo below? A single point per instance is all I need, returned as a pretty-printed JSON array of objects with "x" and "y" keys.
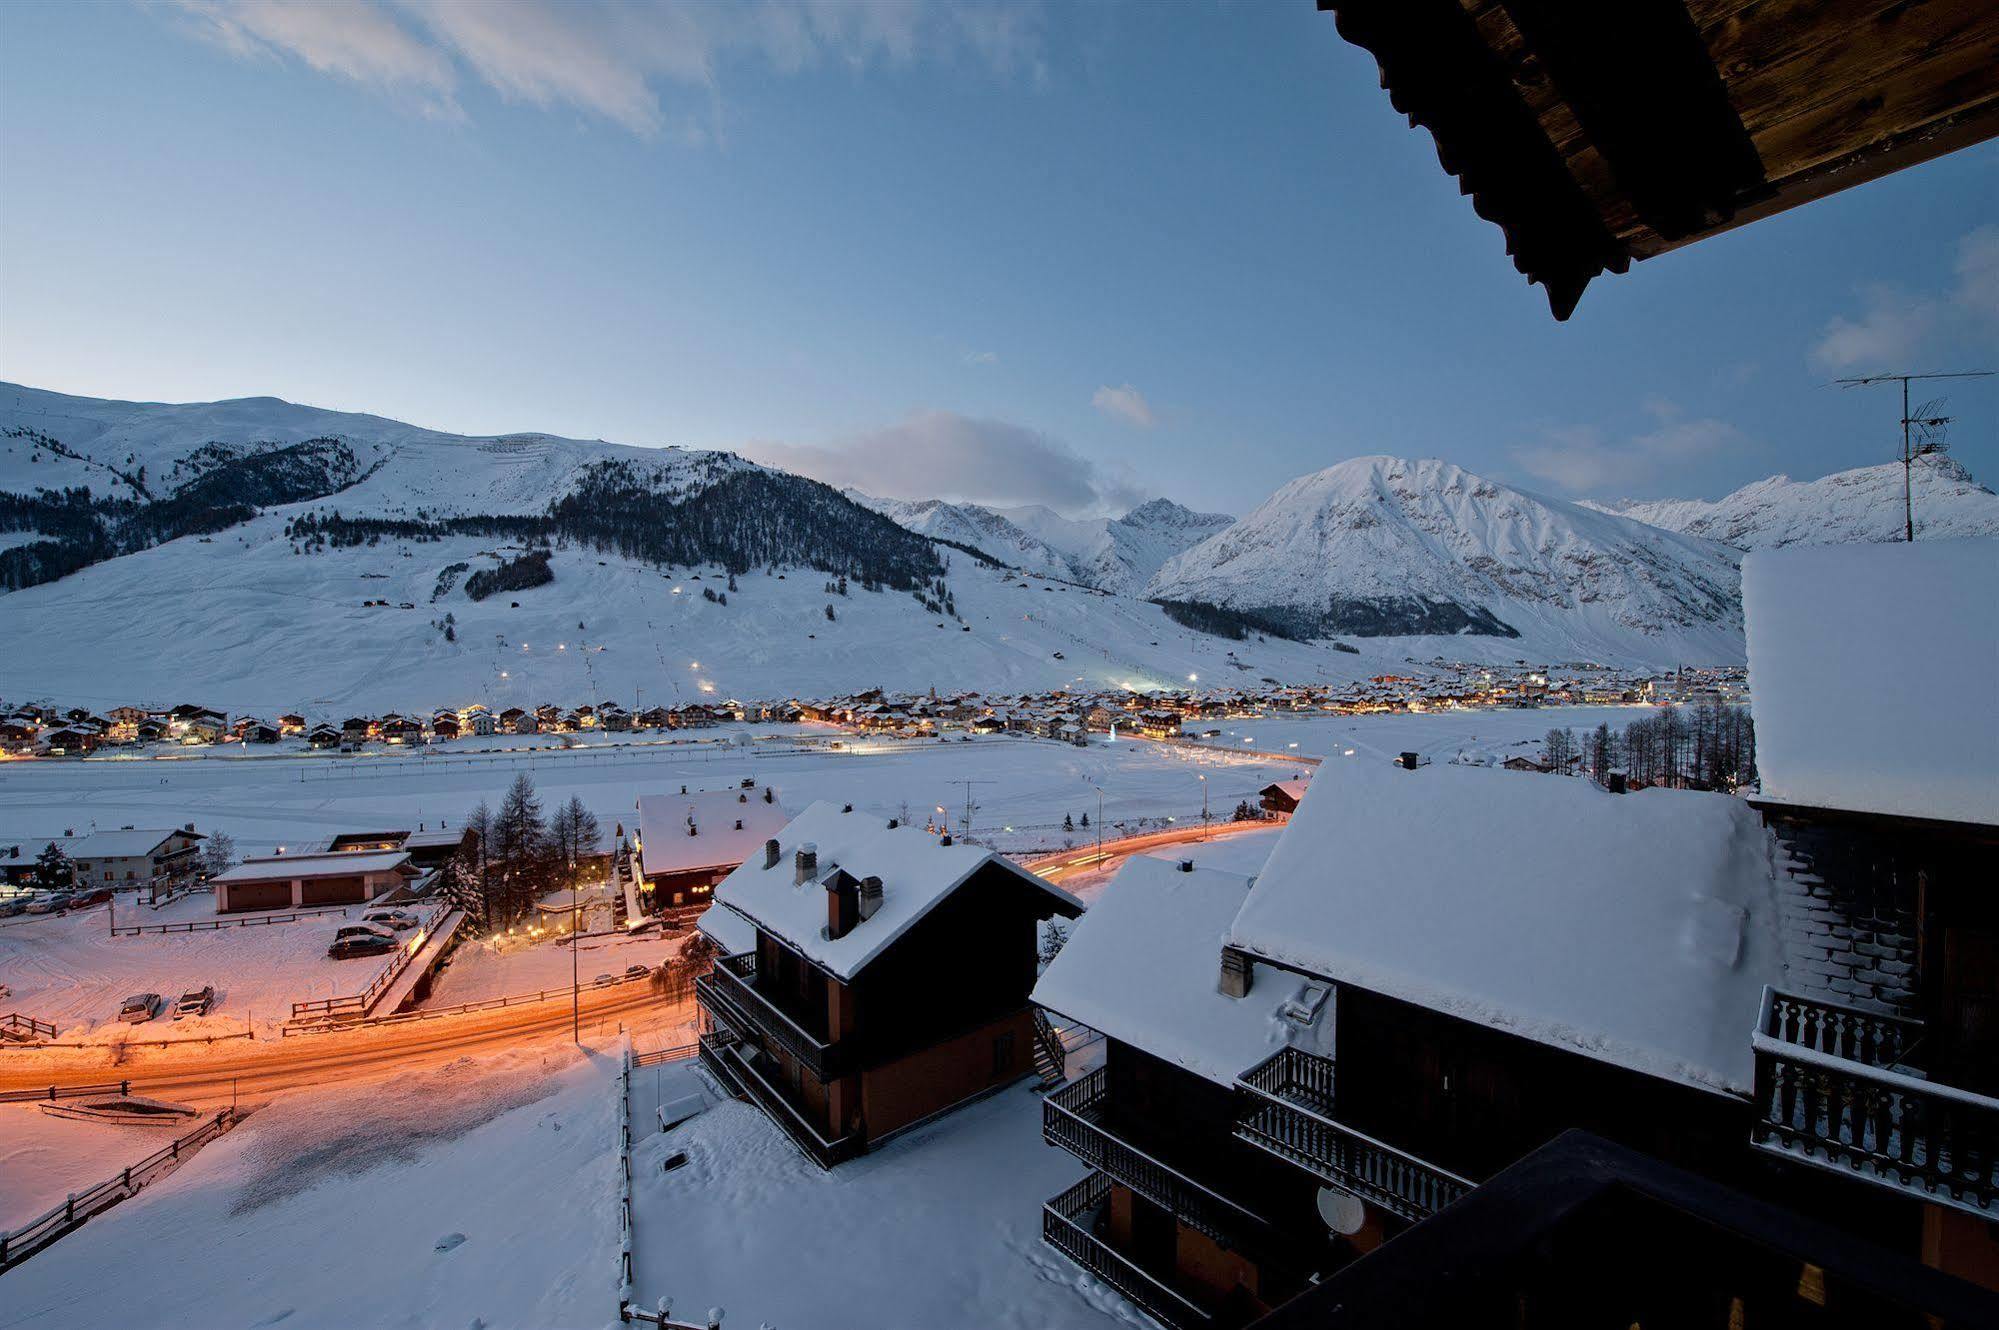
[
  {"x": 1204, "y": 803},
  {"x": 575, "y": 959}
]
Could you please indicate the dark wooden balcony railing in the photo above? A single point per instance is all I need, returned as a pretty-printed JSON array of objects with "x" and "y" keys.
[
  {"x": 1823, "y": 1096},
  {"x": 1285, "y": 1106},
  {"x": 737, "y": 1069},
  {"x": 734, "y": 980},
  {"x": 1075, "y": 1117},
  {"x": 1069, "y": 1224}
]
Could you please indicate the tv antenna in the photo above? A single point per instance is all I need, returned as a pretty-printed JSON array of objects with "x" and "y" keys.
[{"x": 1922, "y": 430}]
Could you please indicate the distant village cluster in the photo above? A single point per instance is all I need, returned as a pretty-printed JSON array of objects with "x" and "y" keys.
[{"x": 45, "y": 729}]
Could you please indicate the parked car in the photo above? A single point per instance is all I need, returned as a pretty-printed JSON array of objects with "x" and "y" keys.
[
  {"x": 637, "y": 971},
  {"x": 641, "y": 926},
  {"x": 139, "y": 1008},
  {"x": 10, "y": 908},
  {"x": 603, "y": 979},
  {"x": 400, "y": 920},
  {"x": 195, "y": 1002},
  {"x": 364, "y": 930},
  {"x": 360, "y": 944}
]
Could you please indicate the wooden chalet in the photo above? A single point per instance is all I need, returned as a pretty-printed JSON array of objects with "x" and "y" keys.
[
  {"x": 1877, "y": 1058},
  {"x": 320, "y": 736},
  {"x": 1595, "y": 135},
  {"x": 690, "y": 841},
  {"x": 1281, "y": 798},
  {"x": 888, "y": 982}
]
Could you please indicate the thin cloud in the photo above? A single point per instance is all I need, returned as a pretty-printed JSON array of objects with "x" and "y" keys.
[
  {"x": 981, "y": 357},
  {"x": 614, "y": 61},
  {"x": 943, "y": 455},
  {"x": 1126, "y": 402},
  {"x": 1582, "y": 459},
  {"x": 1896, "y": 325}
]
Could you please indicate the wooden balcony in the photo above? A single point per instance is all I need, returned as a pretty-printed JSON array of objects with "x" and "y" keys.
[
  {"x": 736, "y": 1067},
  {"x": 1847, "y": 1090},
  {"x": 1069, "y": 1223},
  {"x": 1076, "y": 1117},
  {"x": 732, "y": 984},
  {"x": 1285, "y": 1106}
]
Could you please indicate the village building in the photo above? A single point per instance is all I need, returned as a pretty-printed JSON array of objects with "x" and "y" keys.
[
  {"x": 476, "y": 720},
  {"x": 1280, "y": 798},
  {"x": 519, "y": 720},
  {"x": 888, "y": 984},
  {"x": 356, "y": 730},
  {"x": 135, "y": 856},
  {"x": 323, "y": 736},
  {"x": 297, "y": 880},
  {"x": 429, "y": 848},
  {"x": 690, "y": 841}
]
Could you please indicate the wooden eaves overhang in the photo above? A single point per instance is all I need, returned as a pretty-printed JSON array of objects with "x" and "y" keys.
[{"x": 1596, "y": 132}]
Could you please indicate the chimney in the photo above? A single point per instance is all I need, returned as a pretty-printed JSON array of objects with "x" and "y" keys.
[
  {"x": 893, "y": 824},
  {"x": 767, "y": 798},
  {"x": 770, "y": 855},
  {"x": 871, "y": 896},
  {"x": 846, "y": 808},
  {"x": 692, "y": 830},
  {"x": 805, "y": 864},
  {"x": 1408, "y": 761},
  {"x": 945, "y": 839},
  {"x": 1615, "y": 781},
  {"x": 742, "y": 798},
  {"x": 739, "y": 824},
  {"x": 843, "y": 903},
  {"x": 1236, "y": 974},
  {"x": 1186, "y": 865}
]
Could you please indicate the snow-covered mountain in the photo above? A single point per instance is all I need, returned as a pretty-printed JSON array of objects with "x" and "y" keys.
[
  {"x": 1865, "y": 504},
  {"x": 1116, "y": 554},
  {"x": 260, "y": 555},
  {"x": 1383, "y": 546}
]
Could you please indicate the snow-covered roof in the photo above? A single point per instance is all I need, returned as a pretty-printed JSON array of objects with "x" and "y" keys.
[
  {"x": 1638, "y": 929},
  {"x": 1142, "y": 966},
  {"x": 1871, "y": 671},
  {"x": 917, "y": 871},
  {"x": 1294, "y": 789},
  {"x": 665, "y": 846},
  {"x": 429, "y": 840},
  {"x": 125, "y": 843},
  {"x": 336, "y": 864},
  {"x": 732, "y": 932}
]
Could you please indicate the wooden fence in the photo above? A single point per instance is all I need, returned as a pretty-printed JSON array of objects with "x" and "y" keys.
[
  {"x": 18, "y": 1245},
  {"x": 213, "y": 925},
  {"x": 64, "y": 1092},
  {"x": 358, "y": 1004}
]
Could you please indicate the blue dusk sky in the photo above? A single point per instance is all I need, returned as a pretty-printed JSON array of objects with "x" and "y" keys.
[{"x": 1075, "y": 254}]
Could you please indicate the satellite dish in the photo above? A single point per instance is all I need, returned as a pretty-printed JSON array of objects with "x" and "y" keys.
[{"x": 1344, "y": 1214}]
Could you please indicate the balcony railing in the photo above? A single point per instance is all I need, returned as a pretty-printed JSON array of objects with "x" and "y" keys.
[
  {"x": 1824, "y": 1095},
  {"x": 734, "y": 979},
  {"x": 1073, "y": 1117},
  {"x": 738, "y": 1070},
  {"x": 1285, "y": 1106},
  {"x": 1069, "y": 1224}
]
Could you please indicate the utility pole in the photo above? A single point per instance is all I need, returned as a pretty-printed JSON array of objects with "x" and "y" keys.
[
  {"x": 969, "y": 805},
  {"x": 1911, "y": 448},
  {"x": 575, "y": 958},
  {"x": 1204, "y": 804}
]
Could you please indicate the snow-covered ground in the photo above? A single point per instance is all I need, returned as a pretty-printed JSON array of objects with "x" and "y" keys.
[
  {"x": 487, "y": 969},
  {"x": 1438, "y": 735},
  {"x": 69, "y": 970},
  {"x": 1026, "y": 784},
  {"x": 938, "y": 1228},
  {"x": 480, "y": 1193},
  {"x": 45, "y": 1158}
]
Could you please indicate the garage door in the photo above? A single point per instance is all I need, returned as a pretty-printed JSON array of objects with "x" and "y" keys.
[
  {"x": 334, "y": 890},
  {"x": 258, "y": 895}
]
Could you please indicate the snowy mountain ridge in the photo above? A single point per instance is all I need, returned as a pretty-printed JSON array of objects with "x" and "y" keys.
[
  {"x": 1379, "y": 546},
  {"x": 1864, "y": 504},
  {"x": 1116, "y": 554}
]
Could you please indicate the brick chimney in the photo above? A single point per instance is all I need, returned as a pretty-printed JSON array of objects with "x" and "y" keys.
[
  {"x": 1236, "y": 974},
  {"x": 871, "y": 896},
  {"x": 771, "y": 855},
  {"x": 805, "y": 864},
  {"x": 1408, "y": 761}
]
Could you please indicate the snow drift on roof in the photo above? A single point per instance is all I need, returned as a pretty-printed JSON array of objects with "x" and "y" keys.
[
  {"x": 124, "y": 843},
  {"x": 1870, "y": 670},
  {"x": 1142, "y": 967},
  {"x": 732, "y": 932},
  {"x": 665, "y": 846},
  {"x": 337, "y": 864},
  {"x": 916, "y": 871},
  {"x": 1638, "y": 929}
]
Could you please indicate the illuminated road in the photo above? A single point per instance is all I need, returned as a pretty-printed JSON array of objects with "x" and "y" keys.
[
  {"x": 1072, "y": 863},
  {"x": 263, "y": 1067}
]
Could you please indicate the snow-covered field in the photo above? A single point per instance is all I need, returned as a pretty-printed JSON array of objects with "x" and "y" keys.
[
  {"x": 938, "y": 1228},
  {"x": 1438, "y": 735},
  {"x": 480, "y": 1193},
  {"x": 44, "y": 1158},
  {"x": 1026, "y": 784},
  {"x": 481, "y": 970},
  {"x": 71, "y": 972}
]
